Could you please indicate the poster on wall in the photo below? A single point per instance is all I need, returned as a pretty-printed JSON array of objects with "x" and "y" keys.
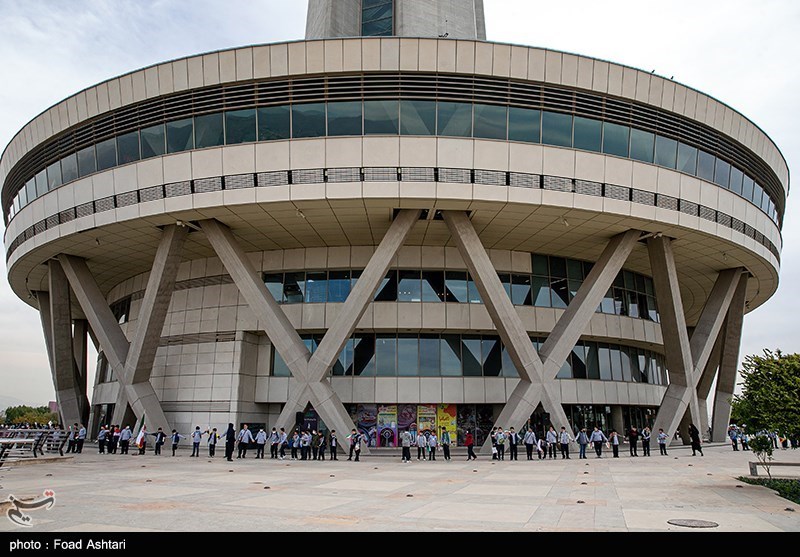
[
  {"x": 446, "y": 417},
  {"x": 387, "y": 425},
  {"x": 367, "y": 422},
  {"x": 426, "y": 417}
]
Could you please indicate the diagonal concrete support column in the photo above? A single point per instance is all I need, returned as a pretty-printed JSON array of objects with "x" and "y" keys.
[
  {"x": 706, "y": 380},
  {"x": 80, "y": 342},
  {"x": 729, "y": 362}
]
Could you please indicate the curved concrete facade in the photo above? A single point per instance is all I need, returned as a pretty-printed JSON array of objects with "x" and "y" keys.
[{"x": 205, "y": 353}]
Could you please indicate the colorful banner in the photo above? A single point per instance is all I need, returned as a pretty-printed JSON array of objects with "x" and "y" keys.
[
  {"x": 446, "y": 417},
  {"x": 367, "y": 422},
  {"x": 387, "y": 425},
  {"x": 426, "y": 417}
]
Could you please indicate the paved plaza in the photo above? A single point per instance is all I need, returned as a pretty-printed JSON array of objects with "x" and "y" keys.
[{"x": 147, "y": 493}]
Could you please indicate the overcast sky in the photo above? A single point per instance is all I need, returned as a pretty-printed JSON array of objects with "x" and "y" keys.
[{"x": 743, "y": 53}]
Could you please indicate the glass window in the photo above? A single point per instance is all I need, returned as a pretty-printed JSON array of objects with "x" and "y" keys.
[
  {"x": 616, "y": 365},
  {"x": 338, "y": 286},
  {"x": 128, "y": 148},
  {"x": 539, "y": 264},
  {"x": 472, "y": 291},
  {"x": 344, "y": 363},
  {"x": 23, "y": 194},
  {"x": 294, "y": 288},
  {"x": 758, "y": 192},
  {"x": 364, "y": 355},
  {"x": 69, "y": 168},
  {"x": 735, "y": 183},
  {"x": 376, "y": 18},
  {"x": 491, "y": 349},
  {"x": 540, "y": 295},
  {"x": 106, "y": 154},
  {"x": 490, "y": 121},
  {"x": 722, "y": 173},
  {"x": 417, "y": 118},
  {"x": 41, "y": 183},
  {"x": 524, "y": 124},
  {"x": 509, "y": 369},
  {"x": 456, "y": 286},
  {"x": 429, "y": 355},
  {"x": 747, "y": 188},
  {"x": 274, "y": 283},
  {"x": 381, "y": 117},
  {"x": 604, "y": 362},
  {"x": 687, "y": 159},
  {"x": 642, "y": 144},
  {"x": 560, "y": 288},
  {"x": 607, "y": 305},
  {"x": 705, "y": 166},
  {"x": 450, "y": 355},
  {"x": 455, "y": 119},
  {"x": 409, "y": 287},
  {"x": 666, "y": 152},
  {"x": 579, "y": 366},
  {"x": 30, "y": 190},
  {"x": 209, "y": 130},
  {"x": 588, "y": 134},
  {"x": 279, "y": 367},
  {"x": 308, "y": 120},
  {"x": 179, "y": 135},
  {"x": 471, "y": 355},
  {"x": 592, "y": 363},
  {"x": 87, "y": 164},
  {"x": 316, "y": 287},
  {"x": 386, "y": 355},
  {"x": 557, "y": 129},
  {"x": 565, "y": 372},
  {"x": 505, "y": 280},
  {"x": 521, "y": 290},
  {"x": 408, "y": 355},
  {"x": 387, "y": 291},
  {"x": 344, "y": 118},
  {"x": 378, "y": 28},
  {"x": 54, "y": 175},
  {"x": 153, "y": 141},
  {"x": 626, "y": 363},
  {"x": 433, "y": 286},
  {"x": 240, "y": 126},
  {"x": 615, "y": 139},
  {"x": 274, "y": 122},
  {"x": 575, "y": 269},
  {"x": 558, "y": 266}
]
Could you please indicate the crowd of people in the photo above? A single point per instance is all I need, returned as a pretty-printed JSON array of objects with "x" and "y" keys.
[{"x": 739, "y": 436}]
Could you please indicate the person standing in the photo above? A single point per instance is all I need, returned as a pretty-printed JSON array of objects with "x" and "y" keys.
[
  {"x": 305, "y": 446},
  {"x": 70, "y": 440},
  {"x": 282, "y": 444},
  {"x": 315, "y": 444},
  {"x": 245, "y": 438},
  {"x": 113, "y": 439},
  {"x": 101, "y": 439},
  {"x": 274, "y": 443},
  {"x": 633, "y": 439},
  {"x": 160, "y": 437},
  {"x": 405, "y": 443},
  {"x": 197, "y": 436},
  {"x": 513, "y": 444},
  {"x": 733, "y": 437},
  {"x": 552, "y": 440},
  {"x": 646, "y": 434},
  {"x": 212, "y": 442},
  {"x": 597, "y": 438},
  {"x": 469, "y": 441},
  {"x": 422, "y": 445},
  {"x": 564, "y": 439},
  {"x": 662, "y": 442},
  {"x": 323, "y": 444},
  {"x": 81, "y": 438},
  {"x": 530, "y": 440},
  {"x": 355, "y": 444},
  {"x": 334, "y": 445},
  {"x": 432, "y": 444},
  {"x": 230, "y": 442},
  {"x": 176, "y": 438},
  {"x": 294, "y": 444},
  {"x": 141, "y": 440},
  {"x": 694, "y": 434},
  {"x": 495, "y": 450},
  {"x": 583, "y": 440},
  {"x": 125, "y": 439},
  {"x": 261, "y": 442},
  {"x": 501, "y": 438},
  {"x": 445, "y": 441},
  {"x": 614, "y": 440}
]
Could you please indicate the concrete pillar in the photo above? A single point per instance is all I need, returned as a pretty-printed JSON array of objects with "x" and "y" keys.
[
  {"x": 80, "y": 330},
  {"x": 617, "y": 421},
  {"x": 706, "y": 380},
  {"x": 729, "y": 362}
]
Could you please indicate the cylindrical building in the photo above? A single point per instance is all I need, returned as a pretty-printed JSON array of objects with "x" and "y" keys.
[{"x": 413, "y": 228}]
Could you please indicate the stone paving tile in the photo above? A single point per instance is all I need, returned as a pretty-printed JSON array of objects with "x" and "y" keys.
[{"x": 475, "y": 512}]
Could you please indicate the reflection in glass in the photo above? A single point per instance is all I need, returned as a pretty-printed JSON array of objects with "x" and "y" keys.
[
  {"x": 705, "y": 166},
  {"x": 429, "y": 355},
  {"x": 450, "y": 355},
  {"x": 492, "y": 356},
  {"x": 69, "y": 168},
  {"x": 387, "y": 291},
  {"x": 687, "y": 159},
  {"x": 615, "y": 139},
  {"x": 722, "y": 173},
  {"x": 106, "y": 154},
  {"x": 240, "y": 126},
  {"x": 308, "y": 120},
  {"x": 471, "y": 355},
  {"x": 381, "y": 117},
  {"x": 179, "y": 135},
  {"x": 386, "y": 355},
  {"x": 490, "y": 121},
  {"x": 54, "y": 175},
  {"x": 642, "y": 144},
  {"x": 364, "y": 355},
  {"x": 556, "y": 129},
  {"x": 524, "y": 124},
  {"x": 417, "y": 117},
  {"x": 735, "y": 183},
  {"x": 316, "y": 287},
  {"x": 153, "y": 141},
  {"x": 409, "y": 287},
  {"x": 344, "y": 118},
  {"x": 666, "y": 152},
  {"x": 208, "y": 131},
  {"x": 433, "y": 286},
  {"x": 294, "y": 288},
  {"x": 588, "y": 134},
  {"x": 86, "y": 161},
  {"x": 456, "y": 286},
  {"x": 455, "y": 119},
  {"x": 408, "y": 355},
  {"x": 274, "y": 122},
  {"x": 128, "y": 148},
  {"x": 274, "y": 283},
  {"x": 338, "y": 286}
]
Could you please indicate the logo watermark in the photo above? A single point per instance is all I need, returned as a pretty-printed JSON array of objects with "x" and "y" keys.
[{"x": 15, "y": 512}]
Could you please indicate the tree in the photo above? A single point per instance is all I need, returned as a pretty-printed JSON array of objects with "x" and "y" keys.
[
  {"x": 770, "y": 398},
  {"x": 29, "y": 414}
]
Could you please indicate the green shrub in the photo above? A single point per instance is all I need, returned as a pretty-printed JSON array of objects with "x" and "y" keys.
[{"x": 788, "y": 489}]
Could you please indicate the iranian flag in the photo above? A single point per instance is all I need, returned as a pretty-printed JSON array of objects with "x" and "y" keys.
[{"x": 142, "y": 437}]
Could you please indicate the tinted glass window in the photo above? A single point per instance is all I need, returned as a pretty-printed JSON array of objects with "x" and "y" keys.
[
  {"x": 455, "y": 119},
  {"x": 408, "y": 355},
  {"x": 208, "y": 131},
  {"x": 722, "y": 173},
  {"x": 86, "y": 161},
  {"x": 344, "y": 118},
  {"x": 376, "y": 17},
  {"x": 490, "y": 121},
  {"x": 316, "y": 287},
  {"x": 450, "y": 346},
  {"x": 642, "y": 144},
  {"x": 308, "y": 120},
  {"x": 491, "y": 350},
  {"x": 387, "y": 291},
  {"x": 41, "y": 183},
  {"x": 666, "y": 152},
  {"x": 179, "y": 135},
  {"x": 381, "y": 117},
  {"x": 747, "y": 188},
  {"x": 429, "y": 355},
  {"x": 338, "y": 286},
  {"x": 274, "y": 122},
  {"x": 524, "y": 124},
  {"x": 106, "y": 154},
  {"x": 735, "y": 183},
  {"x": 364, "y": 355},
  {"x": 471, "y": 356},
  {"x": 588, "y": 134},
  {"x": 294, "y": 288},
  {"x": 615, "y": 139},
  {"x": 30, "y": 190},
  {"x": 409, "y": 287},
  {"x": 153, "y": 141},
  {"x": 69, "y": 168},
  {"x": 556, "y": 129},
  {"x": 687, "y": 159},
  {"x": 417, "y": 117},
  {"x": 521, "y": 290},
  {"x": 433, "y": 286},
  {"x": 240, "y": 126},
  {"x": 274, "y": 283},
  {"x": 540, "y": 291},
  {"x": 472, "y": 292},
  {"x": 386, "y": 355},
  {"x": 456, "y": 286},
  {"x": 54, "y": 175},
  {"x": 705, "y": 166},
  {"x": 128, "y": 148}
]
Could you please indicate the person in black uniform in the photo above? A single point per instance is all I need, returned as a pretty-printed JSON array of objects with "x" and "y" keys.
[
  {"x": 230, "y": 441},
  {"x": 513, "y": 442},
  {"x": 694, "y": 433},
  {"x": 633, "y": 439}
]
